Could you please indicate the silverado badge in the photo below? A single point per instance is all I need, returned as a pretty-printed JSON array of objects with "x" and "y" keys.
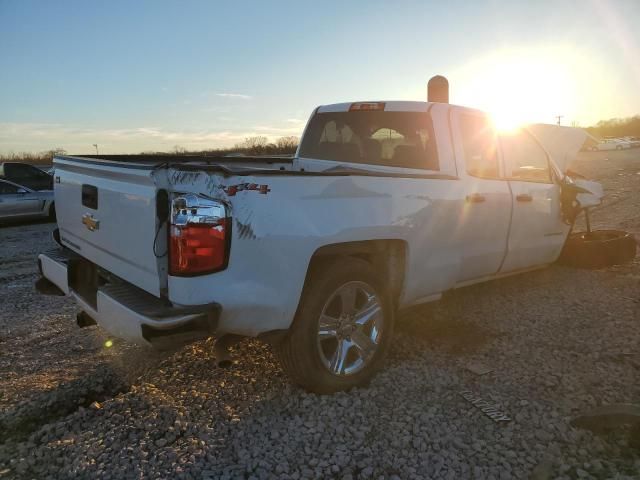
[{"x": 91, "y": 223}]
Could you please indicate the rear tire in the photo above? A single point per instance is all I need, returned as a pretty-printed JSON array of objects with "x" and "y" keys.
[
  {"x": 361, "y": 339},
  {"x": 598, "y": 249}
]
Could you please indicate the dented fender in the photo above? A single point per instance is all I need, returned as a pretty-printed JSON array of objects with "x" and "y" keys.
[
  {"x": 592, "y": 193},
  {"x": 578, "y": 194}
]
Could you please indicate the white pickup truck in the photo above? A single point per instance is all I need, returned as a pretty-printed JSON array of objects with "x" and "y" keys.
[{"x": 385, "y": 205}]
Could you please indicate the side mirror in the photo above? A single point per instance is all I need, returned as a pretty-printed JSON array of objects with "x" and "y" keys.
[{"x": 22, "y": 191}]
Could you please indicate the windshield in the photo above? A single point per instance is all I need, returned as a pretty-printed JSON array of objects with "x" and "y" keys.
[{"x": 396, "y": 139}]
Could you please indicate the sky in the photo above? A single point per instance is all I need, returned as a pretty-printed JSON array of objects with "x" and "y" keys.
[{"x": 141, "y": 75}]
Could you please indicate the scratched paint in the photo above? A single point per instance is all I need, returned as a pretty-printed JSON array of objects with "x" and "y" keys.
[
  {"x": 213, "y": 185},
  {"x": 245, "y": 230},
  {"x": 180, "y": 177}
]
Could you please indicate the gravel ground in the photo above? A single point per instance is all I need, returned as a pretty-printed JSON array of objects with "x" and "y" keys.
[{"x": 559, "y": 342}]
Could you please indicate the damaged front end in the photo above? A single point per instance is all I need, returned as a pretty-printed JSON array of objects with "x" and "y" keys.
[
  {"x": 563, "y": 144},
  {"x": 578, "y": 194}
]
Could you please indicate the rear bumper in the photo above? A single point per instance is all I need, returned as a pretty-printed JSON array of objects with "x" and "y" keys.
[{"x": 128, "y": 312}]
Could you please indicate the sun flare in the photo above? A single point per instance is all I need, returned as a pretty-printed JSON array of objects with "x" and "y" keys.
[{"x": 523, "y": 86}]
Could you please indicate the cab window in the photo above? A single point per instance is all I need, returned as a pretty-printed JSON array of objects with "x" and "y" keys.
[
  {"x": 394, "y": 139},
  {"x": 524, "y": 158},
  {"x": 480, "y": 146}
]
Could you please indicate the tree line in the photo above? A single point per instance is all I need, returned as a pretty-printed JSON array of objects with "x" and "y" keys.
[
  {"x": 616, "y": 127},
  {"x": 36, "y": 158},
  {"x": 258, "y": 145},
  {"x": 249, "y": 146}
]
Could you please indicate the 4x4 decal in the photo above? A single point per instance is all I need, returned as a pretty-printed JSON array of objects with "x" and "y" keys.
[{"x": 231, "y": 190}]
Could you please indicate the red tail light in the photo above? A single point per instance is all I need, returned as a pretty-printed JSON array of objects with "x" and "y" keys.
[{"x": 199, "y": 236}]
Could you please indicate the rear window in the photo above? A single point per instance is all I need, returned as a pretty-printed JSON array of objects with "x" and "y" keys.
[{"x": 395, "y": 139}]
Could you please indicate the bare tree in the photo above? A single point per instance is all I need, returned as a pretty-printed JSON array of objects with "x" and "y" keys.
[
  {"x": 253, "y": 145},
  {"x": 256, "y": 143},
  {"x": 178, "y": 150},
  {"x": 56, "y": 151},
  {"x": 287, "y": 144}
]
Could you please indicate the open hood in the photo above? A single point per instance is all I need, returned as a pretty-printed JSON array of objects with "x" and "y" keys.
[{"x": 562, "y": 143}]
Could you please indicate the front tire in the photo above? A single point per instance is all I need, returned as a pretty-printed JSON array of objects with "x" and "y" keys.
[{"x": 342, "y": 330}]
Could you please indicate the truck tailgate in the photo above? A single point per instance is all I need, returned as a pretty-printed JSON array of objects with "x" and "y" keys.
[{"x": 106, "y": 212}]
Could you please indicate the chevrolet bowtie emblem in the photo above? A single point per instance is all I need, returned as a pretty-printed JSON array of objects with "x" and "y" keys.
[{"x": 90, "y": 222}]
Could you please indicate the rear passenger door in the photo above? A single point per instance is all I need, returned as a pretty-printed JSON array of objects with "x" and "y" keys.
[
  {"x": 537, "y": 231},
  {"x": 486, "y": 212}
]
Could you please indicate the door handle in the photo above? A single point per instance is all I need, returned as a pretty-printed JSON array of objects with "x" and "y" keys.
[
  {"x": 475, "y": 198},
  {"x": 524, "y": 197}
]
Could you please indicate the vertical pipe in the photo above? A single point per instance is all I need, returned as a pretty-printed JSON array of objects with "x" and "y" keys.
[{"x": 438, "y": 89}]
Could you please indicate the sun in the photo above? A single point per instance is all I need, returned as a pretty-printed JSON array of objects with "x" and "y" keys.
[
  {"x": 506, "y": 120},
  {"x": 518, "y": 87}
]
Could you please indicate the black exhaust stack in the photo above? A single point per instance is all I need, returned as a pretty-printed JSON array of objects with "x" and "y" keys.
[{"x": 438, "y": 89}]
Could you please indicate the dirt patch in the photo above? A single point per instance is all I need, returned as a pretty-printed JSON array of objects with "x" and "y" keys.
[
  {"x": 45, "y": 407},
  {"x": 453, "y": 335}
]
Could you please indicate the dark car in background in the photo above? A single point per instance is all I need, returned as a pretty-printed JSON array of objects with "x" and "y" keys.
[{"x": 26, "y": 175}]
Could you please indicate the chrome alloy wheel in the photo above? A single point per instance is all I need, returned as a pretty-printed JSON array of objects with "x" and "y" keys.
[{"x": 350, "y": 328}]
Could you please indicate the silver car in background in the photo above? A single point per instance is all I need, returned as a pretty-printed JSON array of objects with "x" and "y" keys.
[{"x": 18, "y": 202}]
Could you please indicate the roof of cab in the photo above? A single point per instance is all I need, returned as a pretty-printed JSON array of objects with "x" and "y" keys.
[{"x": 391, "y": 106}]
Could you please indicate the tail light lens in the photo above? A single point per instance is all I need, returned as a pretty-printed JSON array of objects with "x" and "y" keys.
[{"x": 199, "y": 235}]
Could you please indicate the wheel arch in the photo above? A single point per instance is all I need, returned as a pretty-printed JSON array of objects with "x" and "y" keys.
[{"x": 387, "y": 256}]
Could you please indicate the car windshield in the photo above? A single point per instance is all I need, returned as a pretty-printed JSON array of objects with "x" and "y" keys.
[{"x": 397, "y": 139}]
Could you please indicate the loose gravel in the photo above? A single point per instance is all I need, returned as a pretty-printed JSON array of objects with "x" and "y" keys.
[{"x": 557, "y": 341}]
